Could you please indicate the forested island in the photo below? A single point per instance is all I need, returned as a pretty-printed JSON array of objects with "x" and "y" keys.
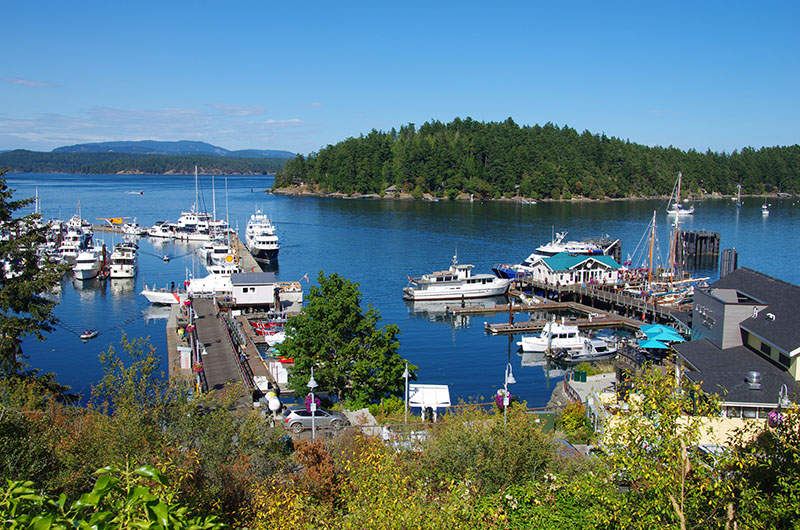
[
  {"x": 22, "y": 161},
  {"x": 503, "y": 159}
]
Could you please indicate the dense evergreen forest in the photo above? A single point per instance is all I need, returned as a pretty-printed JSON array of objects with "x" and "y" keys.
[
  {"x": 22, "y": 161},
  {"x": 495, "y": 160}
]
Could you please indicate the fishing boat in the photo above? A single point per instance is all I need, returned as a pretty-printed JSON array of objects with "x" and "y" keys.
[
  {"x": 565, "y": 342},
  {"x": 675, "y": 207},
  {"x": 455, "y": 283}
]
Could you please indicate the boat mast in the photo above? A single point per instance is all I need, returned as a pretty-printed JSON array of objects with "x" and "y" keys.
[
  {"x": 213, "y": 207},
  {"x": 673, "y": 253},
  {"x": 196, "y": 206},
  {"x": 652, "y": 242},
  {"x": 678, "y": 197}
]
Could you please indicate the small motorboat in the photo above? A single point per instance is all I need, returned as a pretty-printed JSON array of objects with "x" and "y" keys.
[
  {"x": 166, "y": 259},
  {"x": 89, "y": 334}
]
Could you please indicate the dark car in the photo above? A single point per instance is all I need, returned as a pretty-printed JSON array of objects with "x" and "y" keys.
[{"x": 297, "y": 419}]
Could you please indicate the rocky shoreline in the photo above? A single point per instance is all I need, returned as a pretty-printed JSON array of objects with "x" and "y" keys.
[{"x": 305, "y": 191}]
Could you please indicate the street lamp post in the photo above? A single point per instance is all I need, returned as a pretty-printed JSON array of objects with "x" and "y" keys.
[
  {"x": 405, "y": 407},
  {"x": 312, "y": 384},
  {"x": 509, "y": 379}
]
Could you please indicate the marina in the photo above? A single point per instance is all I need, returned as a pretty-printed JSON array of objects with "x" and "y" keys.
[{"x": 375, "y": 243}]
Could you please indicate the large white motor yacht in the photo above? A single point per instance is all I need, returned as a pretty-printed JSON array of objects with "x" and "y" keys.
[
  {"x": 261, "y": 239},
  {"x": 123, "y": 261},
  {"x": 88, "y": 263},
  {"x": 455, "y": 283}
]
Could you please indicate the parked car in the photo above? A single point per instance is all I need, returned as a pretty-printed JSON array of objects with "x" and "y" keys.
[{"x": 297, "y": 418}]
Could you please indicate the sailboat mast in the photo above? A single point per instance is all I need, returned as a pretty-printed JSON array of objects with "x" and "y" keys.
[
  {"x": 673, "y": 252},
  {"x": 652, "y": 242},
  {"x": 678, "y": 198},
  {"x": 213, "y": 201},
  {"x": 196, "y": 205}
]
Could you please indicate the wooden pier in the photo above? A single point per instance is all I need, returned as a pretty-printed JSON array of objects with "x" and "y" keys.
[
  {"x": 599, "y": 297},
  {"x": 219, "y": 360}
]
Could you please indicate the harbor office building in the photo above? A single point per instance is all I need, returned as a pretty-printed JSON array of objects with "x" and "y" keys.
[
  {"x": 262, "y": 291},
  {"x": 576, "y": 269},
  {"x": 745, "y": 343}
]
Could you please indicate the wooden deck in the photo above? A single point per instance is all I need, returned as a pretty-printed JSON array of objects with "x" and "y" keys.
[{"x": 219, "y": 361}]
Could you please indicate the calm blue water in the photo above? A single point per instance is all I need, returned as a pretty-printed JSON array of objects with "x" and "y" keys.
[{"x": 375, "y": 243}]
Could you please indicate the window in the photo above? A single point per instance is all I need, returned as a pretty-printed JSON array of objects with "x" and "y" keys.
[
  {"x": 784, "y": 360},
  {"x": 765, "y": 348}
]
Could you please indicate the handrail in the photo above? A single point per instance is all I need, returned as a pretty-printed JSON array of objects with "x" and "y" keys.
[{"x": 245, "y": 372}]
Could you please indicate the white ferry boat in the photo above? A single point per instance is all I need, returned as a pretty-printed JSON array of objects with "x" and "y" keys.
[{"x": 455, "y": 283}]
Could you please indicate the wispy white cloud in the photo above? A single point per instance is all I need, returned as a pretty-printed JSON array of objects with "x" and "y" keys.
[
  {"x": 100, "y": 124},
  {"x": 316, "y": 105},
  {"x": 238, "y": 110},
  {"x": 292, "y": 122},
  {"x": 26, "y": 82}
]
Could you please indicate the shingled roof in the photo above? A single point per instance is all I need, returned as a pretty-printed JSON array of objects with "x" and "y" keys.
[
  {"x": 724, "y": 371},
  {"x": 779, "y": 323}
]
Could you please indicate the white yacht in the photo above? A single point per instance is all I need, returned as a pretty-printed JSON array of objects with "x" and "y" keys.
[
  {"x": 558, "y": 245},
  {"x": 675, "y": 207},
  {"x": 162, "y": 229},
  {"x": 163, "y": 296},
  {"x": 88, "y": 263},
  {"x": 564, "y": 342},
  {"x": 123, "y": 261},
  {"x": 594, "y": 247},
  {"x": 455, "y": 283},
  {"x": 261, "y": 239}
]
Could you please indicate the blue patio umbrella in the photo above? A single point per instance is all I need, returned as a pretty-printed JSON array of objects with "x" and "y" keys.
[
  {"x": 656, "y": 328},
  {"x": 665, "y": 336},
  {"x": 651, "y": 344}
]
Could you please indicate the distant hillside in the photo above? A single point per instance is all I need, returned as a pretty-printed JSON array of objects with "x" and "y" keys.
[
  {"x": 179, "y": 148},
  {"x": 109, "y": 163},
  {"x": 503, "y": 159}
]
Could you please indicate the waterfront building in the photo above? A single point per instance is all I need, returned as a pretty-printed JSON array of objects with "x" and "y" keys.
[
  {"x": 745, "y": 343},
  {"x": 261, "y": 290},
  {"x": 576, "y": 269}
]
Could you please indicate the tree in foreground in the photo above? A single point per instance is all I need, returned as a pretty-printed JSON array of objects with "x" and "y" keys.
[
  {"x": 23, "y": 308},
  {"x": 352, "y": 358}
]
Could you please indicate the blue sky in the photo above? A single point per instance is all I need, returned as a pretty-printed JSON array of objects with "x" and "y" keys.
[{"x": 301, "y": 75}]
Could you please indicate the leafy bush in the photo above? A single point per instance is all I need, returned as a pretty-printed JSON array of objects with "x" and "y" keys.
[
  {"x": 477, "y": 445},
  {"x": 575, "y": 424},
  {"x": 119, "y": 499}
]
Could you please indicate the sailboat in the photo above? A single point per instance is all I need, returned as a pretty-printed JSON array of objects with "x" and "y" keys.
[
  {"x": 675, "y": 207},
  {"x": 765, "y": 207},
  {"x": 738, "y": 197}
]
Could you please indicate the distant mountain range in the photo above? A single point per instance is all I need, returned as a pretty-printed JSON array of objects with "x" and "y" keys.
[{"x": 179, "y": 148}]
